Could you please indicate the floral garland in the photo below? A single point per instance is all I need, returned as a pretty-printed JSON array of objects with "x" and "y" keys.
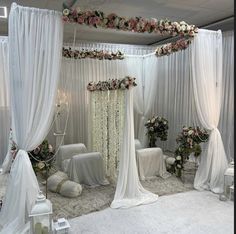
[
  {"x": 157, "y": 127},
  {"x": 95, "y": 54},
  {"x": 189, "y": 142},
  {"x": 125, "y": 83},
  {"x": 170, "y": 48},
  {"x": 136, "y": 24}
]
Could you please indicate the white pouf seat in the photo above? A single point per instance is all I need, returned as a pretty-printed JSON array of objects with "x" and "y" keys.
[
  {"x": 60, "y": 183},
  {"x": 151, "y": 163}
]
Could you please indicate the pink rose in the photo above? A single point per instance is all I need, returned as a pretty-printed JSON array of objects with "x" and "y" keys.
[
  {"x": 37, "y": 150},
  {"x": 80, "y": 20}
]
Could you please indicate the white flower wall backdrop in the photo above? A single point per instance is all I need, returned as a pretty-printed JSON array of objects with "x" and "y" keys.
[{"x": 107, "y": 117}]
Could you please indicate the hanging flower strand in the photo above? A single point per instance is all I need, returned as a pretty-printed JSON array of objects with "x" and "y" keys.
[{"x": 95, "y": 54}]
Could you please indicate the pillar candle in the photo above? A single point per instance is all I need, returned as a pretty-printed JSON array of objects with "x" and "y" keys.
[
  {"x": 38, "y": 228},
  {"x": 45, "y": 230}
]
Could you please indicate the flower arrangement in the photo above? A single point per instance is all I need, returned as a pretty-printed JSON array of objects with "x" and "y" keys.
[
  {"x": 188, "y": 142},
  {"x": 165, "y": 27},
  {"x": 42, "y": 157},
  {"x": 125, "y": 83},
  {"x": 95, "y": 54},
  {"x": 157, "y": 128},
  {"x": 135, "y": 24},
  {"x": 169, "y": 48}
]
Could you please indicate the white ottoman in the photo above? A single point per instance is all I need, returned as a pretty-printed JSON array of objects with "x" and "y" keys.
[
  {"x": 87, "y": 169},
  {"x": 151, "y": 163}
]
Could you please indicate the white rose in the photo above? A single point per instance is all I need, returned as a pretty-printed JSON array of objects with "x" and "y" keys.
[
  {"x": 178, "y": 165},
  {"x": 41, "y": 165},
  {"x": 66, "y": 12},
  {"x": 153, "y": 120},
  {"x": 122, "y": 86},
  {"x": 50, "y": 149},
  {"x": 190, "y": 132},
  {"x": 148, "y": 121},
  {"x": 164, "y": 122},
  {"x": 182, "y": 22},
  {"x": 178, "y": 157}
]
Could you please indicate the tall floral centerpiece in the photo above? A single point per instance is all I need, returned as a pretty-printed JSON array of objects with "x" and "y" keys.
[
  {"x": 157, "y": 127},
  {"x": 189, "y": 141}
]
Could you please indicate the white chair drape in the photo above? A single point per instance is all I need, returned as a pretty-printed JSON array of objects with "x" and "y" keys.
[
  {"x": 206, "y": 67},
  {"x": 129, "y": 191},
  {"x": 35, "y": 44},
  {"x": 4, "y": 98}
]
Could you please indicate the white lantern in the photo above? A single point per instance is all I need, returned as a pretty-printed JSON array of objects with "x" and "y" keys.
[
  {"x": 41, "y": 216},
  {"x": 228, "y": 182},
  {"x": 62, "y": 226}
]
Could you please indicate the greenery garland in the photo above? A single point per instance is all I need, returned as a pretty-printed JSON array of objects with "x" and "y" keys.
[
  {"x": 188, "y": 142},
  {"x": 95, "y": 54}
]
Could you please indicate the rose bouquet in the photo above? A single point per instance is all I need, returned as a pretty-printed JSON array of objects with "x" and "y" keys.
[
  {"x": 157, "y": 127},
  {"x": 188, "y": 142},
  {"x": 42, "y": 157}
]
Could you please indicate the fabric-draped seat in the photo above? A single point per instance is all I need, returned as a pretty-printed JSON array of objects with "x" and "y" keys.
[
  {"x": 151, "y": 162},
  {"x": 81, "y": 166}
]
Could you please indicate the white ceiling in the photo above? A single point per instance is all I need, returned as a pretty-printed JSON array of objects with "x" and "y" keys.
[{"x": 198, "y": 12}]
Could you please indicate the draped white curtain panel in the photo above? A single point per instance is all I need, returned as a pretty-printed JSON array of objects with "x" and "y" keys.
[
  {"x": 172, "y": 97},
  {"x": 164, "y": 88},
  {"x": 206, "y": 72},
  {"x": 4, "y": 98},
  {"x": 129, "y": 191},
  {"x": 35, "y": 44}
]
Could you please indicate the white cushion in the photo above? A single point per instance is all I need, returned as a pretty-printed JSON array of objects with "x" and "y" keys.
[{"x": 59, "y": 182}]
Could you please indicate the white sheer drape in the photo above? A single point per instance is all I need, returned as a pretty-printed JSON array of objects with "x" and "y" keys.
[
  {"x": 4, "y": 98},
  {"x": 173, "y": 97},
  {"x": 168, "y": 77},
  {"x": 35, "y": 43},
  {"x": 129, "y": 191},
  {"x": 79, "y": 73},
  {"x": 206, "y": 61},
  {"x": 226, "y": 124}
]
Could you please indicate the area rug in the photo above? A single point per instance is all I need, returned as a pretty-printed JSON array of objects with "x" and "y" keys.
[
  {"x": 183, "y": 213},
  {"x": 99, "y": 198}
]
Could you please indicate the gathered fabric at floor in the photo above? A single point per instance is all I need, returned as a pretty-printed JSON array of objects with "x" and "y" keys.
[{"x": 183, "y": 213}]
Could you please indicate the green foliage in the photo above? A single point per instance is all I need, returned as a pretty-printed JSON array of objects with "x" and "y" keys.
[{"x": 189, "y": 141}]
